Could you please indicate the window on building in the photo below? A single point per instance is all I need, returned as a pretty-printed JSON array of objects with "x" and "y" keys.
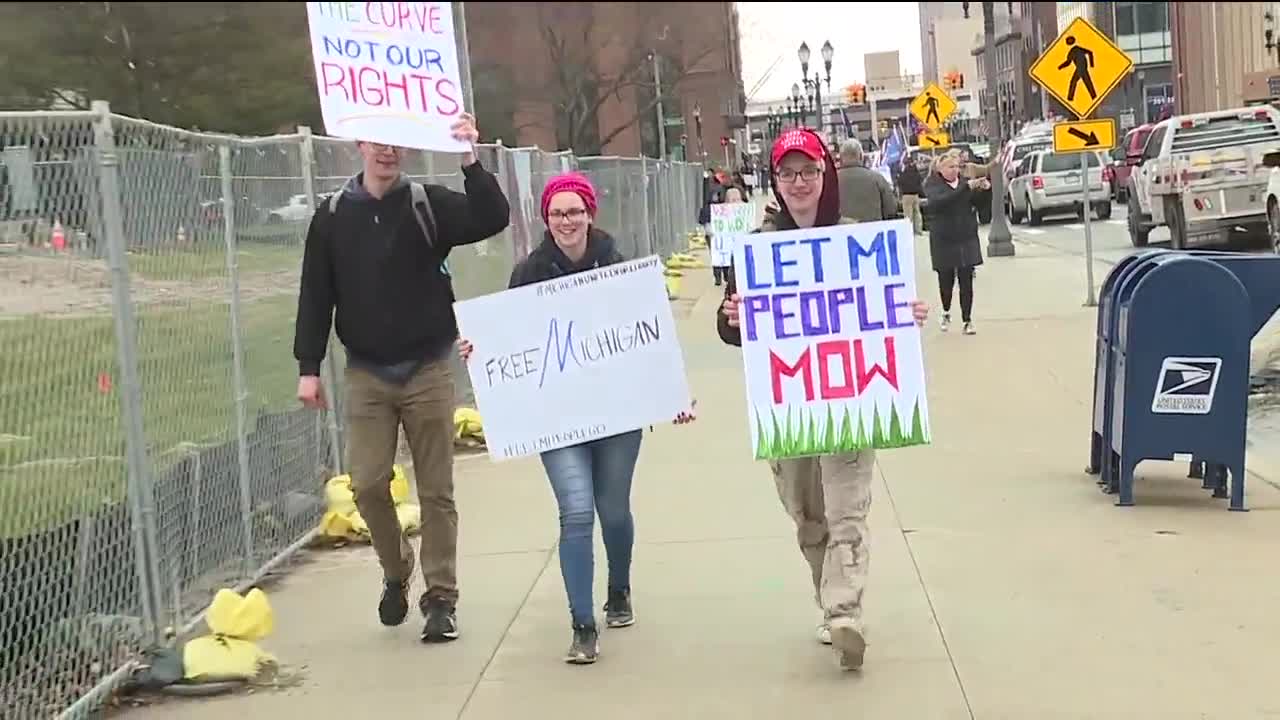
[{"x": 1142, "y": 30}]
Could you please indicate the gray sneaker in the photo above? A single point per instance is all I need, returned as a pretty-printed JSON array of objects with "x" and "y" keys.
[
  {"x": 945, "y": 323},
  {"x": 849, "y": 643},
  {"x": 585, "y": 648}
]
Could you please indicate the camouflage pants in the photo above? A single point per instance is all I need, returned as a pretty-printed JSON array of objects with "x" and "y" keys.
[{"x": 829, "y": 498}]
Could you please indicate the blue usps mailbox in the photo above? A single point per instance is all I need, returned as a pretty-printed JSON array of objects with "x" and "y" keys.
[{"x": 1181, "y": 368}]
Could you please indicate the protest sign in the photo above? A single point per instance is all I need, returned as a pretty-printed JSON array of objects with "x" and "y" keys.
[
  {"x": 831, "y": 353},
  {"x": 729, "y": 220},
  {"x": 387, "y": 72},
  {"x": 574, "y": 359}
]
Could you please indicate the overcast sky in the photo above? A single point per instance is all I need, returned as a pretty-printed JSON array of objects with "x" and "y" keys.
[{"x": 773, "y": 30}]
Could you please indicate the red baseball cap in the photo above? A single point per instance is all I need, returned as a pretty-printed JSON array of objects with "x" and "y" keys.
[{"x": 800, "y": 140}]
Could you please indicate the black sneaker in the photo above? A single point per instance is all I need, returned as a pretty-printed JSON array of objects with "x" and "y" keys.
[
  {"x": 585, "y": 647},
  {"x": 394, "y": 605},
  {"x": 617, "y": 611},
  {"x": 442, "y": 619}
]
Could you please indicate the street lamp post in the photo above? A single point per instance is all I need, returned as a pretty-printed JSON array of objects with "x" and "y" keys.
[
  {"x": 813, "y": 87},
  {"x": 999, "y": 237}
]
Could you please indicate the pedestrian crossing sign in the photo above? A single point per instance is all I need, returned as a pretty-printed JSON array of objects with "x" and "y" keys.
[
  {"x": 1081, "y": 68},
  {"x": 933, "y": 106}
]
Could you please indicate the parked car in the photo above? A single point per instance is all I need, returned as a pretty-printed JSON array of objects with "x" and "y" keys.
[
  {"x": 1048, "y": 183},
  {"x": 1124, "y": 157}
]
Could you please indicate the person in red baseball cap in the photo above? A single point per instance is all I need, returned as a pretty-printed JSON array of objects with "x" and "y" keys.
[{"x": 813, "y": 489}]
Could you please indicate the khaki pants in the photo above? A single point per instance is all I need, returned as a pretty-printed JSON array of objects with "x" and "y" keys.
[
  {"x": 424, "y": 406},
  {"x": 829, "y": 498},
  {"x": 911, "y": 210}
]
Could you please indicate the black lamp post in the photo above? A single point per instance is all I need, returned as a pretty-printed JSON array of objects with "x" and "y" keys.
[
  {"x": 999, "y": 237},
  {"x": 813, "y": 86}
]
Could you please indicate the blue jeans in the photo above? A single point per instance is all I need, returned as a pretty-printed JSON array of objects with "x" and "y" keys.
[{"x": 594, "y": 477}]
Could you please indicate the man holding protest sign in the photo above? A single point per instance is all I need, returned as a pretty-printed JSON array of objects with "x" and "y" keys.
[
  {"x": 823, "y": 477},
  {"x": 375, "y": 253}
]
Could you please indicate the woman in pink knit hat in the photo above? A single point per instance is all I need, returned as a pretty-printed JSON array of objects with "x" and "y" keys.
[{"x": 595, "y": 476}]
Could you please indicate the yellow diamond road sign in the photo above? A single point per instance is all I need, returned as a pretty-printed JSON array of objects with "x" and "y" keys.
[
  {"x": 1081, "y": 68},
  {"x": 929, "y": 140},
  {"x": 1084, "y": 135},
  {"x": 933, "y": 106}
]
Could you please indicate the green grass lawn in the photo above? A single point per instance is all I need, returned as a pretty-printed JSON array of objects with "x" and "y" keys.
[
  {"x": 261, "y": 249},
  {"x": 61, "y": 430}
]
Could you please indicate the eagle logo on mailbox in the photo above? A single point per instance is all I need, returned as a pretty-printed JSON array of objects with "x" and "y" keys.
[{"x": 1186, "y": 385}]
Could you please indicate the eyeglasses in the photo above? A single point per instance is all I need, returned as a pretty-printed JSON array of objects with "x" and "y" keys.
[
  {"x": 570, "y": 214},
  {"x": 809, "y": 174}
]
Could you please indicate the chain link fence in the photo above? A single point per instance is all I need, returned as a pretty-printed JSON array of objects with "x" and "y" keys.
[{"x": 151, "y": 448}]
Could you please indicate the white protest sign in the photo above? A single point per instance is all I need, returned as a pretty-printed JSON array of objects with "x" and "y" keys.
[
  {"x": 387, "y": 72},
  {"x": 574, "y": 359},
  {"x": 832, "y": 356},
  {"x": 729, "y": 220}
]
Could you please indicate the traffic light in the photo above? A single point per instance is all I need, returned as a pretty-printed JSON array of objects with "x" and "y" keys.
[
  {"x": 959, "y": 81},
  {"x": 724, "y": 141}
]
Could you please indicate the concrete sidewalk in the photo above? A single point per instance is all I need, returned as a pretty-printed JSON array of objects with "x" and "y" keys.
[{"x": 1003, "y": 584}]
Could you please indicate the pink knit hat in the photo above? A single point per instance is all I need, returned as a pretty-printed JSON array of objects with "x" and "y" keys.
[{"x": 569, "y": 182}]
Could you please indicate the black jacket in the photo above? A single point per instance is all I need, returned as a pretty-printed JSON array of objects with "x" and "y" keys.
[
  {"x": 388, "y": 284},
  {"x": 548, "y": 261},
  {"x": 909, "y": 180},
  {"x": 953, "y": 223}
]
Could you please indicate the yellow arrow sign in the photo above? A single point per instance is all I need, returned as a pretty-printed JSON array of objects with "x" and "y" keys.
[
  {"x": 930, "y": 140},
  {"x": 1084, "y": 135},
  {"x": 1081, "y": 68},
  {"x": 933, "y": 106}
]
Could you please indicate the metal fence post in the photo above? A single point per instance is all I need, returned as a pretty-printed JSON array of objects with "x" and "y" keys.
[
  {"x": 241, "y": 389},
  {"x": 329, "y": 374},
  {"x": 644, "y": 204},
  {"x": 140, "y": 494}
]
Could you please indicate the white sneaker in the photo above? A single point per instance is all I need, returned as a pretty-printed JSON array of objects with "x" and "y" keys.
[
  {"x": 824, "y": 634},
  {"x": 969, "y": 329},
  {"x": 945, "y": 324}
]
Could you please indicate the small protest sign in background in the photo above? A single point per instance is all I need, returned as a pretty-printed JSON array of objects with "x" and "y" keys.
[
  {"x": 728, "y": 221},
  {"x": 575, "y": 359},
  {"x": 831, "y": 353},
  {"x": 387, "y": 72}
]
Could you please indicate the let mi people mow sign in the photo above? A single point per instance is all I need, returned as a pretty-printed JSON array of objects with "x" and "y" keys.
[
  {"x": 387, "y": 72},
  {"x": 575, "y": 359},
  {"x": 832, "y": 356}
]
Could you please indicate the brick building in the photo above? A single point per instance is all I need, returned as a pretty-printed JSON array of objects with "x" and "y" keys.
[{"x": 581, "y": 75}]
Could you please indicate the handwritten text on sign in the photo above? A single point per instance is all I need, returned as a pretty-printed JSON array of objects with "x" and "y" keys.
[
  {"x": 832, "y": 355},
  {"x": 580, "y": 358},
  {"x": 387, "y": 72},
  {"x": 729, "y": 220}
]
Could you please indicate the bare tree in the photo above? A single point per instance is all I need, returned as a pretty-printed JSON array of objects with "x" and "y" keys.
[{"x": 593, "y": 63}]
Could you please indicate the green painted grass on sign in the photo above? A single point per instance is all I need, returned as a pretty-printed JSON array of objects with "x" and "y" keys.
[{"x": 814, "y": 432}]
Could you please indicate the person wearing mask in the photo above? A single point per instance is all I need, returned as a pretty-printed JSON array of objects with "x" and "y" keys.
[
  {"x": 954, "y": 248},
  {"x": 374, "y": 262},
  {"x": 865, "y": 195},
  {"x": 593, "y": 477},
  {"x": 827, "y": 497},
  {"x": 911, "y": 185}
]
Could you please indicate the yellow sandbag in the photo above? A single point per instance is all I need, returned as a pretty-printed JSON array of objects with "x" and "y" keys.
[
  {"x": 467, "y": 424},
  {"x": 410, "y": 517},
  {"x": 673, "y": 287},
  {"x": 338, "y": 497},
  {"x": 247, "y": 617},
  {"x": 230, "y": 651},
  {"x": 399, "y": 485},
  {"x": 338, "y": 526}
]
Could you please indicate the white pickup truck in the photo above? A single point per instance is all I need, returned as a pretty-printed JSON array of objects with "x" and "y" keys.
[{"x": 1203, "y": 176}]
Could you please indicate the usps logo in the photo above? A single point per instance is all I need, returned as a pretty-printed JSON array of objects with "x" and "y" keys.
[{"x": 1186, "y": 385}]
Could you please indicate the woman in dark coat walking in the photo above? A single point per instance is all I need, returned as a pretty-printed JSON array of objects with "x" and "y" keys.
[{"x": 953, "y": 234}]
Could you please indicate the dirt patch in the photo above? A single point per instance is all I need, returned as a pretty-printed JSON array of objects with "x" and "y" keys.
[{"x": 69, "y": 286}]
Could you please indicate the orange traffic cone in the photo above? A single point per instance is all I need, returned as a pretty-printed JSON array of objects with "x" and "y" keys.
[{"x": 59, "y": 238}]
